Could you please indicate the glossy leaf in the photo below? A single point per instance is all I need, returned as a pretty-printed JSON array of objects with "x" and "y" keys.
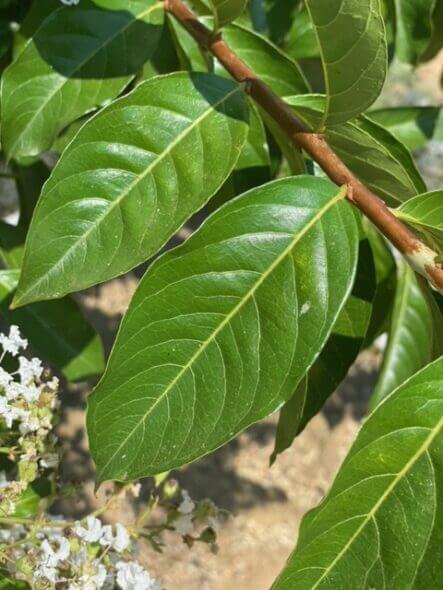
[
  {"x": 413, "y": 126},
  {"x": 73, "y": 63},
  {"x": 352, "y": 41},
  {"x": 134, "y": 173},
  {"x": 410, "y": 343},
  {"x": 275, "y": 68},
  {"x": 221, "y": 330},
  {"x": 57, "y": 331},
  {"x": 226, "y": 11},
  {"x": 381, "y": 525},
  {"x": 425, "y": 214},
  {"x": 336, "y": 357},
  {"x": 379, "y": 160},
  {"x": 413, "y": 19}
]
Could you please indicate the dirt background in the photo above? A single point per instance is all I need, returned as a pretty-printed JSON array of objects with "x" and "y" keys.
[{"x": 267, "y": 503}]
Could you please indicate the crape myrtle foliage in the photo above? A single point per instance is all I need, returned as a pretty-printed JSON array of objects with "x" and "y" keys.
[{"x": 322, "y": 236}]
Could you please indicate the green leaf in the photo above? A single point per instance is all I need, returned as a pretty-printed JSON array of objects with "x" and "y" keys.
[
  {"x": 424, "y": 213},
  {"x": 352, "y": 41},
  {"x": 302, "y": 41},
  {"x": 289, "y": 420},
  {"x": 379, "y": 160},
  {"x": 413, "y": 126},
  {"x": 78, "y": 59},
  {"x": 275, "y": 68},
  {"x": 226, "y": 11},
  {"x": 133, "y": 174},
  {"x": 386, "y": 273},
  {"x": 57, "y": 330},
  {"x": 28, "y": 503},
  {"x": 336, "y": 357},
  {"x": 35, "y": 16},
  {"x": 7, "y": 583},
  {"x": 222, "y": 329},
  {"x": 413, "y": 20},
  {"x": 190, "y": 55},
  {"x": 381, "y": 525},
  {"x": 410, "y": 343},
  {"x": 436, "y": 40}
]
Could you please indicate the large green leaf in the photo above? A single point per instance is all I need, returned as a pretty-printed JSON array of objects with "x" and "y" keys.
[
  {"x": 413, "y": 27},
  {"x": 79, "y": 58},
  {"x": 381, "y": 525},
  {"x": 57, "y": 331},
  {"x": 425, "y": 214},
  {"x": 379, "y": 160},
  {"x": 413, "y": 126},
  {"x": 336, "y": 357},
  {"x": 352, "y": 41},
  {"x": 222, "y": 329},
  {"x": 133, "y": 174},
  {"x": 410, "y": 343},
  {"x": 226, "y": 11}
]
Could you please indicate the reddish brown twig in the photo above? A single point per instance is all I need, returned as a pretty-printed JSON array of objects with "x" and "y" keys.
[{"x": 418, "y": 254}]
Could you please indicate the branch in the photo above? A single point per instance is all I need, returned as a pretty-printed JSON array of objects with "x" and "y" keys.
[{"x": 419, "y": 256}]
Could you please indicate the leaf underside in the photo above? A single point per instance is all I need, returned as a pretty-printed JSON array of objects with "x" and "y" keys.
[{"x": 355, "y": 62}]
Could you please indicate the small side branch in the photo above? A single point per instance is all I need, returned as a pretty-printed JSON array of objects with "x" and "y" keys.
[{"x": 421, "y": 258}]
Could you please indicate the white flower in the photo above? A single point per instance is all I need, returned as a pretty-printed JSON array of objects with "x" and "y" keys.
[
  {"x": 183, "y": 524},
  {"x": 70, "y": 2},
  {"x": 28, "y": 423},
  {"x": 48, "y": 572},
  {"x": 119, "y": 542},
  {"x": 14, "y": 342},
  {"x": 187, "y": 505},
  {"x": 50, "y": 461},
  {"x": 91, "y": 580},
  {"x": 29, "y": 369},
  {"x": 93, "y": 533},
  {"x": 6, "y": 411},
  {"x": 50, "y": 559},
  {"x": 14, "y": 390},
  {"x": 131, "y": 576},
  {"x": 5, "y": 378}
]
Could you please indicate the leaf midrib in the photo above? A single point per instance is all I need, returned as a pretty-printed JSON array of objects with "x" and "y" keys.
[
  {"x": 339, "y": 196},
  {"x": 130, "y": 187},
  {"x": 66, "y": 79},
  {"x": 371, "y": 514}
]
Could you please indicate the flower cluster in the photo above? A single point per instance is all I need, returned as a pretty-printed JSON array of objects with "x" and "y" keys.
[
  {"x": 77, "y": 556},
  {"x": 48, "y": 552},
  {"x": 27, "y": 405}
]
